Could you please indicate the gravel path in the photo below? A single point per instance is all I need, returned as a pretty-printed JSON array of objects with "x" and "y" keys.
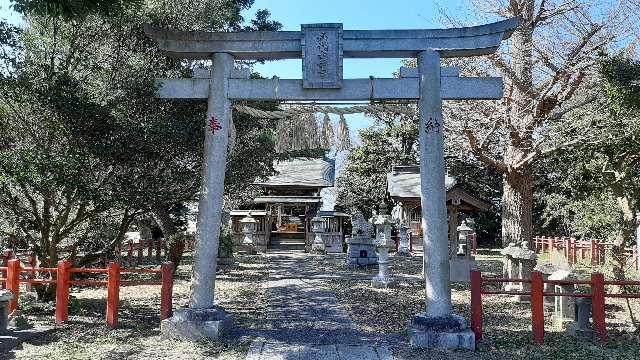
[{"x": 303, "y": 317}]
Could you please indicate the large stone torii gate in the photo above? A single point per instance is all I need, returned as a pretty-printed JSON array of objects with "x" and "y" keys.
[{"x": 322, "y": 48}]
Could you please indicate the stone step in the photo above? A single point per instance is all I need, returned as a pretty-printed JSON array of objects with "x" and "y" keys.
[
  {"x": 294, "y": 246},
  {"x": 286, "y": 241}
]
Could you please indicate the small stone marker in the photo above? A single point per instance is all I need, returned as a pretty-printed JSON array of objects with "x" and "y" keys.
[{"x": 581, "y": 328}]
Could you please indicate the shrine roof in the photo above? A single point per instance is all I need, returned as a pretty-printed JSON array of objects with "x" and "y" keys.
[
  {"x": 302, "y": 172},
  {"x": 404, "y": 182},
  {"x": 287, "y": 199}
]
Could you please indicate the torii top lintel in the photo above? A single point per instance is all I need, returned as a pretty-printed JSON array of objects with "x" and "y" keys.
[{"x": 454, "y": 42}]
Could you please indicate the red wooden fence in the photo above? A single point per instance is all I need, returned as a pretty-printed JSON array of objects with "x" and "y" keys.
[
  {"x": 537, "y": 294},
  {"x": 63, "y": 280},
  {"x": 580, "y": 249}
]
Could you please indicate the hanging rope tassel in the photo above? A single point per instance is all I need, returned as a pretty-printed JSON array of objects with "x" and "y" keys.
[
  {"x": 344, "y": 137},
  {"x": 327, "y": 132}
]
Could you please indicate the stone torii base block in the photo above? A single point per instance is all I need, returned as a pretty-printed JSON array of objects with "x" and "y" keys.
[
  {"x": 197, "y": 324},
  {"x": 450, "y": 332}
]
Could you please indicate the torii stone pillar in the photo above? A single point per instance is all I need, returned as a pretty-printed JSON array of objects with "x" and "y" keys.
[{"x": 203, "y": 319}]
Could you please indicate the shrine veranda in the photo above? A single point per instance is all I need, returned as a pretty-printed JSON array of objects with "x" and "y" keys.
[{"x": 322, "y": 48}]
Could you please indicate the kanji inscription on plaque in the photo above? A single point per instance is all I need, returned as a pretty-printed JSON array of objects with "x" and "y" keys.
[{"x": 322, "y": 56}]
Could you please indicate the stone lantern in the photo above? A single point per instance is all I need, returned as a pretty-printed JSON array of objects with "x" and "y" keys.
[
  {"x": 461, "y": 262},
  {"x": 462, "y": 248},
  {"x": 404, "y": 246},
  {"x": 248, "y": 228},
  {"x": 317, "y": 227},
  {"x": 519, "y": 262},
  {"x": 383, "y": 243}
]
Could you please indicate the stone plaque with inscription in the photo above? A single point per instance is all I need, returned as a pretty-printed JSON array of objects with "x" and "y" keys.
[{"x": 322, "y": 56}]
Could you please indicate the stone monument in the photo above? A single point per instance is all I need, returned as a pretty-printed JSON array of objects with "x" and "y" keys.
[
  {"x": 361, "y": 250},
  {"x": 519, "y": 262},
  {"x": 323, "y": 46},
  {"x": 383, "y": 243}
]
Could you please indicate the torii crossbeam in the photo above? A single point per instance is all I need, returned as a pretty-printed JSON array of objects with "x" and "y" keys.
[{"x": 322, "y": 48}]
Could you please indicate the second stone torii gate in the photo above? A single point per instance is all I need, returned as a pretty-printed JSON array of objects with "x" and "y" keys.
[{"x": 322, "y": 48}]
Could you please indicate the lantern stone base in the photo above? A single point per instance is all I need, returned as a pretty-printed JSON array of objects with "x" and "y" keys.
[
  {"x": 196, "y": 324},
  {"x": 460, "y": 269},
  {"x": 450, "y": 332}
]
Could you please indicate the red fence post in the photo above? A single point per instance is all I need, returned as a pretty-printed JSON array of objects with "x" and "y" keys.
[
  {"x": 537, "y": 307},
  {"x": 63, "y": 278},
  {"x": 597, "y": 303},
  {"x": 13, "y": 282},
  {"x": 476, "y": 303},
  {"x": 113, "y": 294},
  {"x": 166, "y": 293}
]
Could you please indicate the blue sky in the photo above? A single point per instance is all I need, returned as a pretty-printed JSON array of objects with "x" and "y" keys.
[{"x": 355, "y": 15}]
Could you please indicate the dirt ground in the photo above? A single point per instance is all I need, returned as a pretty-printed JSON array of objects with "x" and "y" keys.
[{"x": 507, "y": 328}]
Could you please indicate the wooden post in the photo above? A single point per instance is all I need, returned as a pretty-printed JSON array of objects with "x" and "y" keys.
[
  {"x": 13, "y": 282},
  {"x": 149, "y": 249},
  {"x": 537, "y": 307},
  {"x": 6, "y": 256},
  {"x": 140, "y": 249},
  {"x": 31, "y": 261},
  {"x": 130, "y": 253},
  {"x": 63, "y": 277},
  {"x": 597, "y": 303},
  {"x": 158, "y": 249},
  {"x": 166, "y": 293},
  {"x": 113, "y": 294},
  {"x": 476, "y": 303}
]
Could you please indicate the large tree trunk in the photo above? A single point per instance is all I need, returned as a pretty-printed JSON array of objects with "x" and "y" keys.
[
  {"x": 626, "y": 232},
  {"x": 517, "y": 203},
  {"x": 517, "y": 198}
]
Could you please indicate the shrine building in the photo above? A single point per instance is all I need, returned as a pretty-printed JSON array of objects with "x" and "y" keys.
[{"x": 292, "y": 197}]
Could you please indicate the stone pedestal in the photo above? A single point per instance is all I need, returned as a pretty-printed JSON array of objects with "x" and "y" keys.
[
  {"x": 196, "y": 324},
  {"x": 5, "y": 297},
  {"x": 361, "y": 250},
  {"x": 448, "y": 332},
  {"x": 519, "y": 262}
]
